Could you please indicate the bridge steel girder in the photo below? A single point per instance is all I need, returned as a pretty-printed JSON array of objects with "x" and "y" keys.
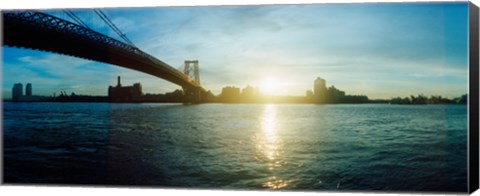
[{"x": 39, "y": 31}]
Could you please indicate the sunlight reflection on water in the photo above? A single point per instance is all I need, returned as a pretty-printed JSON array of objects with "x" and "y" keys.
[
  {"x": 269, "y": 145},
  {"x": 294, "y": 147}
]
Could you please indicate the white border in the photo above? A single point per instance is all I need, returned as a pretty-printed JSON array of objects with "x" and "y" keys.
[{"x": 73, "y": 191}]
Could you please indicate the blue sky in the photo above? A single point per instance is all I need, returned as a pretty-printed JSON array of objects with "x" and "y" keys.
[{"x": 380, "y": 50}]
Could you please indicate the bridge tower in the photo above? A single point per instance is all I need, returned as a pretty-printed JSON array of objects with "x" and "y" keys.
[
  {"x": 196, "y": 73},
  {"x": 192, "y": 71}
]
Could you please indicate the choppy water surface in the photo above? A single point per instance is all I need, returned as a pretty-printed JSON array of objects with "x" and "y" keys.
[{"x": 299, "y": 147}]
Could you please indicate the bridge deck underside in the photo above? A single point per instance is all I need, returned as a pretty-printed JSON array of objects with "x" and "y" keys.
[{"x": 39, "y": 37}]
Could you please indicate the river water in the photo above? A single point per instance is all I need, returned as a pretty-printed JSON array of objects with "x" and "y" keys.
[{"x": 238, "y": 146}]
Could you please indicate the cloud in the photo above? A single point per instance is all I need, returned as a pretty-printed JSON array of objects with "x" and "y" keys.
[{"x": 374, "y": 49}]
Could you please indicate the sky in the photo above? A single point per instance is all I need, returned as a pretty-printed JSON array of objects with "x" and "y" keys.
[{"x": 381, "y": 50}]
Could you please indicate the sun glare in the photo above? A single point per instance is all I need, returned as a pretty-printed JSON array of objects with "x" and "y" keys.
[{"x": 270, "y": 86}]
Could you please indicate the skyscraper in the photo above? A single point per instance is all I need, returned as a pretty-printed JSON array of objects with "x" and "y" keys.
[
  {"x": 17, "y": 91},
  {"x": 320, "y": 89},
  {"x": 28, "y": 91}
]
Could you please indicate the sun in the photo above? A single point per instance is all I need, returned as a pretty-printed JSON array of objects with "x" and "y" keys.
[{"x": 269, "y": 86}]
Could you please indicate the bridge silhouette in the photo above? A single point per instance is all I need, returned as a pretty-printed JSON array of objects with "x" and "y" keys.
[{"x": 40, "y": 31}]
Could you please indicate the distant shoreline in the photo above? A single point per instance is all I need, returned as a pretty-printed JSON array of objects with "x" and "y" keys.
[{"x": 228, "y": 103}]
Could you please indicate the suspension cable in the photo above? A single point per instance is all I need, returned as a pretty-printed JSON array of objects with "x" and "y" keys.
[
  {"x": 76, "y": 18},
  {"x": 113, "y": 26}
]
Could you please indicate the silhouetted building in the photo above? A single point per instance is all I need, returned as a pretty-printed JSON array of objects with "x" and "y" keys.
[
  {"x": 209, "y": 96},
  {"x": 462, "y": 100},
  {"x": 320, "y": 90},
  {"x": 322, "y": 94},
  {"x": 356, "y": 99},
  {"x": 309, "y": 93},
  {"x": 230, "y": 94},
  {"x": 175, "y": 96},
  {"x": 28, "y": 91},
  {"x": 250, "y": 94},
  {"x": 309, "y": 96},
  {"x": 335, "y": 95},
  {"x": 125, "y": 94},
  {"x": 17, "y": 94},
  {"x": 17, "y": 91}
]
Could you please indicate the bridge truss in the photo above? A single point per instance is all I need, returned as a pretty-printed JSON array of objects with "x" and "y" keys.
[{"x": 40, "y": 31}]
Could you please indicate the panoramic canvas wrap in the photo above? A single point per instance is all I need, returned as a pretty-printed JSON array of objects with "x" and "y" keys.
[{"x": 336, "y": 97}]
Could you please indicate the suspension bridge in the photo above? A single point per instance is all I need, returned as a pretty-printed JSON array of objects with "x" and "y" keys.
[{"x": 41, "y": 31}]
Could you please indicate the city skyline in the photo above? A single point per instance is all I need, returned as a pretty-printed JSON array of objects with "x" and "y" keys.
[{"x": 378, "y": 50}]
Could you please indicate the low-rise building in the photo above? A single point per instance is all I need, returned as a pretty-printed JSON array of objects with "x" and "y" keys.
[{"x": 121, "y": 93}]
